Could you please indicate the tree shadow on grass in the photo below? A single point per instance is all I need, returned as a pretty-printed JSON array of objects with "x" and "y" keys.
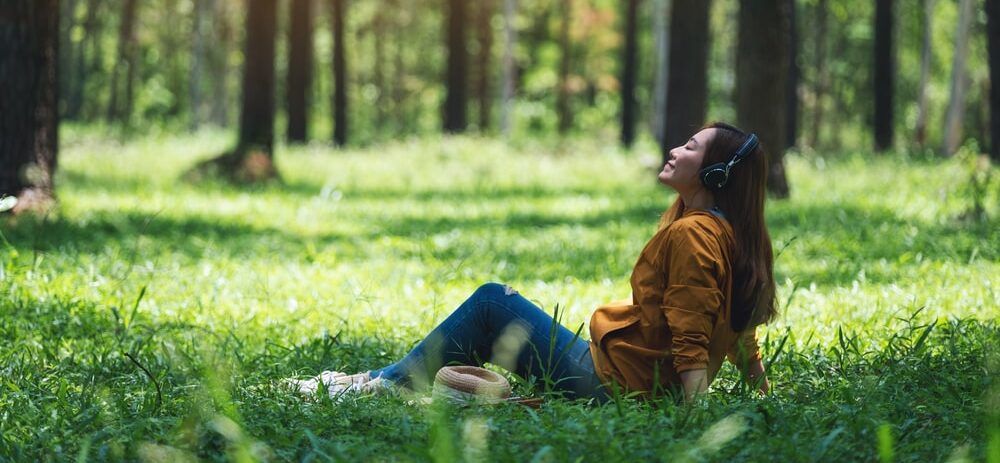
[
  {"x": 91, "y": 182},
  {"x": 86, "y": 182},
  {"x": 847, "y": 240},
  {"x": 196, "y": 236},
  {"x": 841, "y": 240},
  {"x": 457, "y": 194},
  {"x": 192, "y": 236}
]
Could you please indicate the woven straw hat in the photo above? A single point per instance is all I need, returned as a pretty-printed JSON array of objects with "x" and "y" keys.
[{"x": 464, "y": 384}]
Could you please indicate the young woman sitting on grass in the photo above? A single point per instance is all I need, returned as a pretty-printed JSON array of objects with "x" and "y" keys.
[{"x": 700, "y": 287}]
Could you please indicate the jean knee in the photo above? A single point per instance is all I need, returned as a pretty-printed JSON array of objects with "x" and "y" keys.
[
  {"x": 490, "y": 290},
  {"x": 485, "y": 292}
]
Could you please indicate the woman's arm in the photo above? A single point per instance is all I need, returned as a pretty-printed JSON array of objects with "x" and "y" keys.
[
  {"x": 695, "y": 383},
  {"x": 691, "y": 300},
  {"x": 756, "y": 376},
  {"x": 746, "y": 356}
]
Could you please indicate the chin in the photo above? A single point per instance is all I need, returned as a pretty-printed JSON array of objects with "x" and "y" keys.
[{"x": 664, "y": 179}]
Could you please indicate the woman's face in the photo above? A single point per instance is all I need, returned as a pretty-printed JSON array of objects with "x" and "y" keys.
[{"x": 683, "y": 163}]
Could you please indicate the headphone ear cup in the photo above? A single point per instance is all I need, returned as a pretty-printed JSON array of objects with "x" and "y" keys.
[{"x": 714, "y": 176}]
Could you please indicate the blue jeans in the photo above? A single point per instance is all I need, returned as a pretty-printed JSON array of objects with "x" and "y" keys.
[{"x": 509, "y": 331}]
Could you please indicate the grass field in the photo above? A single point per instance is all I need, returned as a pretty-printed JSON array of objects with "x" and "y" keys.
[{"x": 146, "y": 317}]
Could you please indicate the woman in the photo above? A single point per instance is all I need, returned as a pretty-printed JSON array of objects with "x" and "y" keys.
[{"x": 700, "y": 287}]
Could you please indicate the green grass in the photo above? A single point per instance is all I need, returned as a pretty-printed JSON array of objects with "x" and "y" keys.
[{"x": 146, "y": 317}]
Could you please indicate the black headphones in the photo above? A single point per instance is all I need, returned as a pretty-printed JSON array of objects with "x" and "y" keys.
[{"x": 716, "y": 175}]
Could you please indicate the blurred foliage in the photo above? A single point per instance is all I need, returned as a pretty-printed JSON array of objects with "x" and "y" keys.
[{"x": 415, "y": 53}]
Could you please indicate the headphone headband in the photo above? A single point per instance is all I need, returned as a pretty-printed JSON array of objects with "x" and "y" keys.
[
  {"x": 716, "y": 175},
  {"x": 744, "y": 150}
]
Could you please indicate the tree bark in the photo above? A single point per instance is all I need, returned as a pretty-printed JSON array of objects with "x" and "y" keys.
[
  {"x": 629, "y": 66},
  {"x": 172, "y": 67},
  {"x": 399, "y": 90},
  {"x": 219, "y": 63},
  {"x": 67, "y": 51},
  {"x": 956, "y": 98},
  {"x": 661, "y": 18},
  {"x": 339, "y": 74},
  {"x": 821, "y": 80},
  {"x": 252, "y": 160},
  {"x": 300, "y": 65},
  {"x": 761, "y": 79},
  {"x": 117, "y": 110},
  {"x": 257, "y": 114},
  {"x": 563, "y": 110},
  {"x": 509, "y": 66},
  {"x": 74, "y": 101},
  {"x": 687, "y": 89},
  {"x": 993, "y": 45},
  {"x": 197, "y": 77},
  {"x": 455, "y": 101},
  {"x": 485, "y": 38},
  {"x": 29, "y": 117},
  {"x": 378, "y": 68},
  {"x": 885, "y": 75},
  {"x": 838, "y": 103},
  {"x": 792, "y": 92},
  {"x": 927, "y": 9}
]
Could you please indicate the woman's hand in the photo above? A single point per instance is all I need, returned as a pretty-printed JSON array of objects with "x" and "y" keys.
[{"x": 756, "y": 376}]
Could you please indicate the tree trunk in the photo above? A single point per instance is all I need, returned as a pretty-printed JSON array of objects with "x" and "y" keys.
[
  {"x": 67, "y": 51},
  {"x": 885, "y": 75},
  {"x": 993, "y": 44},
  {"x": 629, "y": 66},
  {"x": 339, "y": 75},
  {"x": 792, "y": 92},
  {"x": 300, "y": 64},
  {"x": 539, "y": 32},
  {"x": 821, "y": 81},
  {"x": 956, "y": 98},
  {"x": 29, "y": 118},
  {"x": 119, "y": 111},
  {"x": 219, "y": 63},
  {"x": 74, "y": 101},
  {"x": 253, "y": 158},
  {"x": 257, "y": 115},
  {"x": 399, "y": 72},
  {"x": 687, "y": 89},
  {"x": 761, "y": 79},
  {"x": 927, "y": 13},
  {"x": 378, "y": 68},
  {"x": 455, "y": 101},
  {"x": 485, "y": 15},
  {"x": 172, "y": 69},
  {"x": 661, "y": 18},
  {"x": 197, "y": 77},
  {"x": 509, "y": 66},
  {"x": 563, "y": 110}
]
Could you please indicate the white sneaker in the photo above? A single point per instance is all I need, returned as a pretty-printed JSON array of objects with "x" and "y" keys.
[
  {"x": 338, "y": 384},
  {"x": 309, "y": 386}
]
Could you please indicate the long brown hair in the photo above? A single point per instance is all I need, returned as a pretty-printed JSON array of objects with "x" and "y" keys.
[{"x": 742, "y": 202}]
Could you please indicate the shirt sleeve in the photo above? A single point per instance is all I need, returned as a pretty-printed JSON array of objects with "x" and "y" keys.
[{"x": 692, "y": 298}]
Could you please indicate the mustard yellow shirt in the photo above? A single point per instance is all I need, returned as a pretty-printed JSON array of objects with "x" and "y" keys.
[{"x": 678, "y": 317}]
